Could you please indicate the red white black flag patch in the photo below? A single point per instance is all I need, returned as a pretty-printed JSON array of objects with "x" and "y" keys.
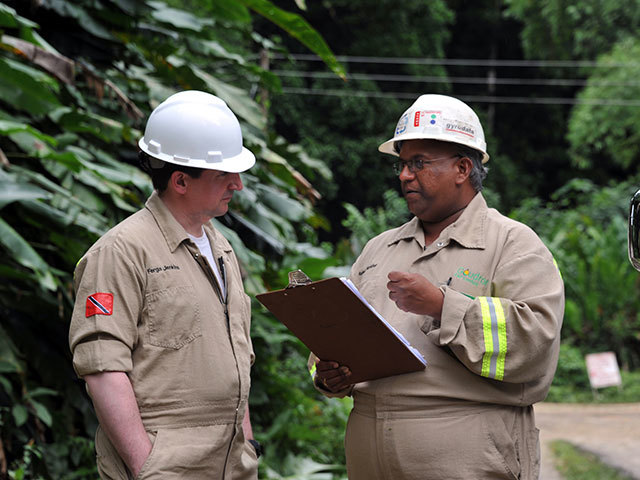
[{"x": 99, "y": 304}]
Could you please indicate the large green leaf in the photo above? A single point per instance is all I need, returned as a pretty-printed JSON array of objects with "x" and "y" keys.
[
  {"x": 178, "y": 18},
  {"x": 10, "y": 191},
  {"x": 25, "y": 255},
  {"x": 26, "y": 88},
  {"x": 10, "y": 18},
  {"x": 84, "y": 20},
  {"x": 282, "y": 204},
  {"x": 234, "y": 11},
  {"x": 238, "y": 99},
  {"x": 8, "y": 127},
  {"x": 299, "y": 28}
]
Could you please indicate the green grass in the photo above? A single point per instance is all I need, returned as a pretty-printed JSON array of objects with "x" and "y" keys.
[{"x": 575, "y": 464}]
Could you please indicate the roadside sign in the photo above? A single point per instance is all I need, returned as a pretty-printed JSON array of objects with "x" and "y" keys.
[{"x": 603, "y": 370}]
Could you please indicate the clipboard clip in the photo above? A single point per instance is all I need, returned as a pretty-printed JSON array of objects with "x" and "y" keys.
[{"x": 298, "y": 278}]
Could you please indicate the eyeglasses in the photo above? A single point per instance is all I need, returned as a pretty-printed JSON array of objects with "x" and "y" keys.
[{"x": 418, "y": 164}]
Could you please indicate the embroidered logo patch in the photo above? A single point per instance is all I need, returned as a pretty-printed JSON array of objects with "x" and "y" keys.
[
  {"x": 473, "y": 278},
  {"x": 99, "y": 303}
]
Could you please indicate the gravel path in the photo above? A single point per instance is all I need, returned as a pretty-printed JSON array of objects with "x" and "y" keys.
[{"x": 611, "y": 431}]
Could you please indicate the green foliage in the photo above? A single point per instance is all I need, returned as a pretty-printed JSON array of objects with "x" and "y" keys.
[
  {"x": 304, "y": 438},
  {"x": 373, "y": 221},
  {"x": 601, "y": 136},
  {"x": 586, "y": 229},
  {"x": 558, "y": 30},
  {"x": 68, "y": 132},
  {"x": 575, "y": 464}
]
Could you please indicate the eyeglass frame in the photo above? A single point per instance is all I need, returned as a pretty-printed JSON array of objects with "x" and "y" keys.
[{"x": 416, "y": 165}]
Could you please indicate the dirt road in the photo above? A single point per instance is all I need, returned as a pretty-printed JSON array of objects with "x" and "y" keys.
[{"x": 611, "y": 431}]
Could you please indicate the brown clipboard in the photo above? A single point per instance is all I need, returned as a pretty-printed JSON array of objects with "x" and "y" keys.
[{"x": 336, "y": 325}]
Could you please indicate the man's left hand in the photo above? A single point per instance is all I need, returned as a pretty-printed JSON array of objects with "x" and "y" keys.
[{"x": 415, "y": 294}]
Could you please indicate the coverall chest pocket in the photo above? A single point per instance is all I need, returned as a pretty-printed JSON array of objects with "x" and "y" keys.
[{"x": 173, "y": 317}]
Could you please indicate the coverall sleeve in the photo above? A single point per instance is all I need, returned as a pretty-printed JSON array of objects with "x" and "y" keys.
[
  {"x": 514, "y": 334},
  {"x": 102, "y": 340}
]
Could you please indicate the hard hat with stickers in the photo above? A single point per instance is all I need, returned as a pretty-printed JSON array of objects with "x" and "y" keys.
[{"x": 439, "y": 117}]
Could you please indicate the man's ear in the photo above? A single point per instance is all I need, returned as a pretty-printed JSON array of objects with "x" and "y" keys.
[
  {"x": 178, "y": 182},
  {"x": 464, "y": 168}
]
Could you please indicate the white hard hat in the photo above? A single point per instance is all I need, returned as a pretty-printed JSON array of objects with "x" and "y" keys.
[
  {"x": 439, "y": 117},
  {"x": 196, "y": 129}
]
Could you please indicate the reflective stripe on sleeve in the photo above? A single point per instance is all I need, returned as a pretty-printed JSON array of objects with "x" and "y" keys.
[
  {"x": 312, "y": 371},
  {"x": 495, "y": 338}
]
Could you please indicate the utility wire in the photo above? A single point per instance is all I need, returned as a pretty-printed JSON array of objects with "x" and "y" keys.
[
  {"x": 457, "y": 61},
  {"x": 565, "y": 82},
  {"x": 468, "y": 98}
]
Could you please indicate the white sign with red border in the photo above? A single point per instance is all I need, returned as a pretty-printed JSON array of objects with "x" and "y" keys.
[{"x": 603, "y": 370}]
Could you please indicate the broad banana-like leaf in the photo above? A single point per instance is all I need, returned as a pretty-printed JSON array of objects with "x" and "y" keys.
[
  {"x": 178, "y": 18},
  {"x": 282, "y": 204},
  {"x": 54, "y": 63},
  {"x": 26, "y": 88},
  {"x": 25, "y": 255},
  {"x": 234, "y": 11},
  {"x": 10, "y": 191},
  {"x": 10, "y": 18},
  {"x": 238, "y": 99},
  {"x": 31, "y": 140},
  {"x": 84, "y": 20},
  {"x": 298, "y": 28}
]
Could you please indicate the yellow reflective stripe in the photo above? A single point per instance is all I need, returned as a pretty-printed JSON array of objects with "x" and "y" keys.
[
  {"x": 556, "y": 264},
  {"x": 488, "y": 338},
  {"x": 312, "y": 370},
  {"x": 494, "y": 329},
  {"x": 502, "y": 335}
]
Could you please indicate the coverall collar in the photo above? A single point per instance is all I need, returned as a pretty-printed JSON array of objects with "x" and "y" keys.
[
  {"x": 174, "y": 234},
  {"x": 468, "y": 230}
]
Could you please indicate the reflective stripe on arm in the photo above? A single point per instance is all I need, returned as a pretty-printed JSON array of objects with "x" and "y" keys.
[{"x": 495, "y": 338}]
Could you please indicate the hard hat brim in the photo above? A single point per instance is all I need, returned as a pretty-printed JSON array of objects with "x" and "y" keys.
[
  {"x": 236, "y": 164},
  {"x": 389, "y": 146}
]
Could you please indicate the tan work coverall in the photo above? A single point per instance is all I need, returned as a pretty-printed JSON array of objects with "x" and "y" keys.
[
  {"x": 493, "y": 354},
  {"x": 148, "y": 304}
]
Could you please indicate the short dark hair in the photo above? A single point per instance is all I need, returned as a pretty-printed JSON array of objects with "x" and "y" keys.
[{"x": 160, "y": 175}]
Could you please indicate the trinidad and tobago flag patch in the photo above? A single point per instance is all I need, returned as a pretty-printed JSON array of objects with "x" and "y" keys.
[{"x": 99, "y": 304}]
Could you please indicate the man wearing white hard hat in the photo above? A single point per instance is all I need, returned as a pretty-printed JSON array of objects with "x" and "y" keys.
[
  {"x": 160, "y": 328},
  {"x": 478, "y": 294}
]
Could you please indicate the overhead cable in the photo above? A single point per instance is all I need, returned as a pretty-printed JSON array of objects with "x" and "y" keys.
[
  {"x": 566, "y": 82},
  {"x": 468, "y": 62},
  {"x": 468, "y": 98}
]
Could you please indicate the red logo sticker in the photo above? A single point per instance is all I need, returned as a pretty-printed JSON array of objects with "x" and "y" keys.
[
  {"x": 416, "y": 119},
  {"x": 99, "y": 304}
]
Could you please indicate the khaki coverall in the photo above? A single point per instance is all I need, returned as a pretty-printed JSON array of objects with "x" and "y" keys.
[
  {"x": 186, "y": 352},
  {"x": 493, "y": 354}
]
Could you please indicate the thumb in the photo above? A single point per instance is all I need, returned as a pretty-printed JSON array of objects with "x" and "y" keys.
[{"x": 396, "y": 276}]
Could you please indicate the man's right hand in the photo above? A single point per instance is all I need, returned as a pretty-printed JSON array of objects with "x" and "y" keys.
[
  {"x": 119, "y": 417},
  {"x": 332, "y": 376}
]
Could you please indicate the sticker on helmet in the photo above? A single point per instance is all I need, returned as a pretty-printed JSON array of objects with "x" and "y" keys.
[
  {"x": 462, "y": 128},
  {"x": 99, "y": 303},
  {"x": 402, "y": 124},
  {"x": 427, "y": 118}
]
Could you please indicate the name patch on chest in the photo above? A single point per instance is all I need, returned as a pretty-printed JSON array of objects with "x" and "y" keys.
[
  {"x": 373, "y": 265},
  {"x": 162, "y": 268}
]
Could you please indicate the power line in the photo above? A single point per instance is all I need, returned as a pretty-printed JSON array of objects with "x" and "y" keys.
[
  {"x": 467, "y": 98},
  {"x": 457, "y": 61},
  {"x": 567, "y": 82}
]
